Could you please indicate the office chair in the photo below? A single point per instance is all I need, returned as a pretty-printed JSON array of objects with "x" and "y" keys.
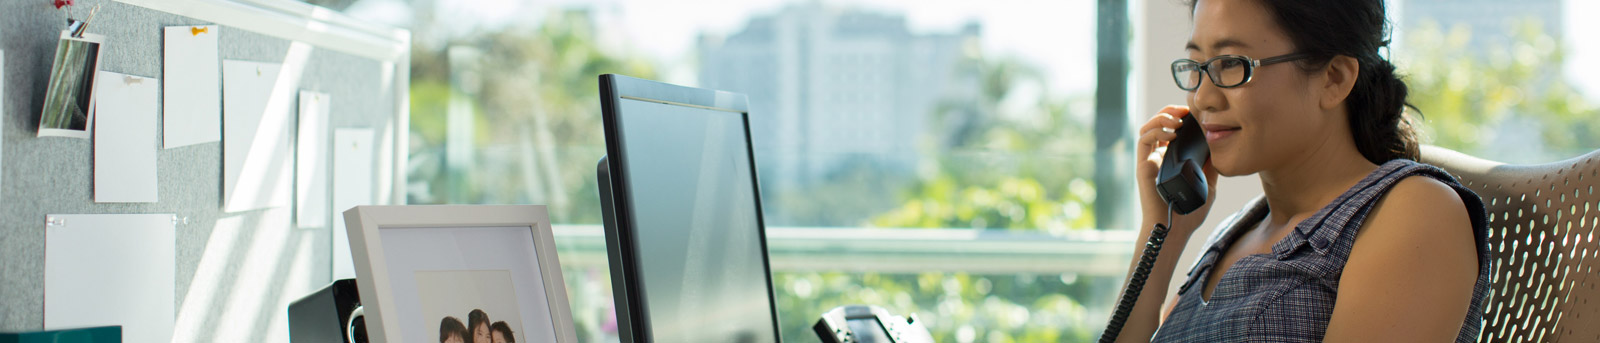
[{"x": 1545, "y": 256}]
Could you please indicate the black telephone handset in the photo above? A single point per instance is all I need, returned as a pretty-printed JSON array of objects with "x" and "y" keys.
[{"x": 1181, "y": 182}]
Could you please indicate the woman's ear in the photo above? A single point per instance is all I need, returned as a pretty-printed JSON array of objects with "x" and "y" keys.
[{"x": 1340, "y": 78}]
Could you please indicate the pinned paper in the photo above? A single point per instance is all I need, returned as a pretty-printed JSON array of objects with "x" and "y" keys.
[
  {"x": 311, "y": 162},
  {"x": 111, "y": 269},
  {"x": 125, "y": 144},
  {"x": 192, "y": 99},
  {"x": 255, "y": 152},
  {"x": 352, "y": 186}
]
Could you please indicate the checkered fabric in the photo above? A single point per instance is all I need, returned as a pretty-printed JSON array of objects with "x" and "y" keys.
[{"x": 1288, "y": 295}]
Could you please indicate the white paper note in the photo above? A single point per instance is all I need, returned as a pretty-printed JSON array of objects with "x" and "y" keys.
[
  {"x": 125, "y": 143},
  {"x": 352, "y": 186},
  {"x": 311, "y": 162},
  {"x": 192, "y": 99},
  {"x": 255, "y": 150},
  {"x": 111, "y": 269}
]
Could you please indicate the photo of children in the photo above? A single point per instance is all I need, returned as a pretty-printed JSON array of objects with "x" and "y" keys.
[{"x": 486, "y": 298}]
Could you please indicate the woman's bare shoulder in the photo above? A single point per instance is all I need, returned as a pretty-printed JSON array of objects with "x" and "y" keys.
[{"x": 1420, "y": 203}]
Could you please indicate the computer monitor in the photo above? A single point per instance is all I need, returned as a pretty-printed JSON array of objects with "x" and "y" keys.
[{"x": 683, "y": 221}]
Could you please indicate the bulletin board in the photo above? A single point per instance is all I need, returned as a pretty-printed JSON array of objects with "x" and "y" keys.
[{"x": 235, "y": 271}]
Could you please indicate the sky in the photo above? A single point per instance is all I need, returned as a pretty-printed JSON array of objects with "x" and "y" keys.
[
  {"x": 1057, "y": 36},
  {"x": 1585, "y": 49},
  {"x": 1050, "y": 34}
]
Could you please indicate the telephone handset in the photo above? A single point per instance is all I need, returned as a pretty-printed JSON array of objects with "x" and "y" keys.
[{"x": 1181, "y": 182}]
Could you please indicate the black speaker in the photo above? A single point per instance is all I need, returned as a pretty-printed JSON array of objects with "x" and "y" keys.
[{"x": 324, "y": 315}]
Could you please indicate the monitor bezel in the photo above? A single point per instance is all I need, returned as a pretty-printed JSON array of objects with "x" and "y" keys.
[{"x": 621, "y": 247}]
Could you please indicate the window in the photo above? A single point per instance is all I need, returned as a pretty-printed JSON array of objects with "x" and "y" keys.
[
  {"x": 968, "y": 128},
  {"x": 1503, "y": 81},
  {"x": 963, "y": 127}
]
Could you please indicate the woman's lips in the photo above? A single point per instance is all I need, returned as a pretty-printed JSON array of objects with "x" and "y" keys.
[{"x": 1218, "y": 132}]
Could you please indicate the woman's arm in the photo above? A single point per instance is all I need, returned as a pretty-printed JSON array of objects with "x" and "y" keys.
[
  {"x": 1147, "y": 313},
  {"x": 1411, "y": 273}
]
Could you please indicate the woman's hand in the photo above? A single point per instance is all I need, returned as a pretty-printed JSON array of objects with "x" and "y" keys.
[
  {"x": 1153, "y": 139},
  {"x": 1145, "y": 316}
]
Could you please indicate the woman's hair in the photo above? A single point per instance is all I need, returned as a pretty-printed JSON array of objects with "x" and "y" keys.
[
  {"x": 1323, "y": 29},
  {"x": 451, "y": 326},
  {"x": 504, "y": 330}
]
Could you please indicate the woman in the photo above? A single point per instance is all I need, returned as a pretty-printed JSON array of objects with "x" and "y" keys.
[{"x": 1352, "y": 240}]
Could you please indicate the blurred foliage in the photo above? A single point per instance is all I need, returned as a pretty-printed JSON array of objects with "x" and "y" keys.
[
  {"x": 860, "y": 189},
  {"x": 1474, "y": 99},
  {"x": 1013, "y": 204},
  {"x": 532, "y": 95},
  {"x": 956, "y": 307},
  {"x": 1013, "y": 157}
]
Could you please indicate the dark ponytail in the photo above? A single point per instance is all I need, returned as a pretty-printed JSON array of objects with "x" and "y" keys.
[
  {"x": 1383, "y": 131},
  {"x": 1324, "y": 29}
]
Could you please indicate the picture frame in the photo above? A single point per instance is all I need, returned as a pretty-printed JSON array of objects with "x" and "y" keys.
[
  {"x": 495, "y": 266},
  {"x": 69, "y": 104}
]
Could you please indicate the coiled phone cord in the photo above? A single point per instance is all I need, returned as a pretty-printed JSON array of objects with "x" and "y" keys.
[{"x": 1158, "y": 235}]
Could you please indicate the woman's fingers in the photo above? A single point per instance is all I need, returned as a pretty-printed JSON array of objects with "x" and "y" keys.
[
  {"x": 1161, "y": 121},
  {"x": 1155, "y": 138},
  {"x": 1175, "y": 110},
  {"x": 1160, "y": 128}
]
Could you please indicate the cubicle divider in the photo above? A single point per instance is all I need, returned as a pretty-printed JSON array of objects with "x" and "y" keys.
[{"x": 234, "y": 271}]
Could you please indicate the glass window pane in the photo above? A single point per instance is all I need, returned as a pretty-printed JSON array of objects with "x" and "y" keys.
[
  {"x": 877, "y": 125},
  {"x": 1505, "y": 81}
]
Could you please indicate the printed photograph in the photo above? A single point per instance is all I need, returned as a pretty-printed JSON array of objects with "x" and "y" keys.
[
  {"x": 69, "y": 99},
  {"x": 471, "y": 306}
]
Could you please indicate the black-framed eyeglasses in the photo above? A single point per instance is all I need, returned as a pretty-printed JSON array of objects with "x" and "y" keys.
[{"x": 1226, "y": 71}]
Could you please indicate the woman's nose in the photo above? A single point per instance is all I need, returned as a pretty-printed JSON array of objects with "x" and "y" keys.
[{"x": 1207, "y": 97}]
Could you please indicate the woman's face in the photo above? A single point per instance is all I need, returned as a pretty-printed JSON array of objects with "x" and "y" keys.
[{"x": 1270, "y": 119}]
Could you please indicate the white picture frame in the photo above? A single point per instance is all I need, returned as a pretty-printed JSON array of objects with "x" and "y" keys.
[{"x": 413, "y": 263}]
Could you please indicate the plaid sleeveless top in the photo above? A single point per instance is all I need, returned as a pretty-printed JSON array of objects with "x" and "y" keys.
[{"x": 1288, "y": 295}]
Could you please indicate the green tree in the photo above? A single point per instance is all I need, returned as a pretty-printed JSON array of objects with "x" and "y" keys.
[
  {"x": 1468, "y": 96},
  {"x": 534, "y": 101},
  {"x": 1013, "y": 157},
  {"x": 956, "y": 307},
  {"x": 532, "y": 95}
]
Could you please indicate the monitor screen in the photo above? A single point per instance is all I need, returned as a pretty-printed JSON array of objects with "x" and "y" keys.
[{"x": 701, "y": 266}]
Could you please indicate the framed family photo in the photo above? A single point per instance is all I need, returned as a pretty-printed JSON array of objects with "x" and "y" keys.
[{"x": 458, "y": 274}]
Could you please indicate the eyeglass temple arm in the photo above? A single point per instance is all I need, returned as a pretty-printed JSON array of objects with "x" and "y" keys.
[{"x": 1278, "y": 59}]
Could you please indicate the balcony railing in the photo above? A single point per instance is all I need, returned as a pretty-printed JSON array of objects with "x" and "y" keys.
[{"x": 1085, "y": 253}]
